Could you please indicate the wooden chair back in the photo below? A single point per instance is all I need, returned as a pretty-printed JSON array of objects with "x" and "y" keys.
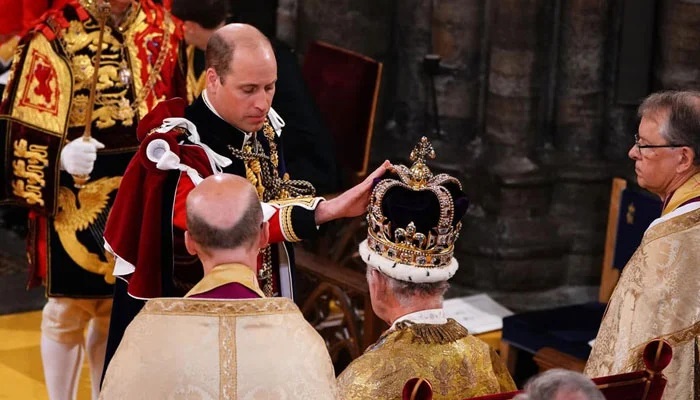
[{"x": 630, "y": 213}]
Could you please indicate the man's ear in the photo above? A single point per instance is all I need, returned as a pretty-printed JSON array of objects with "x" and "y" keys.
[
  {"x": 687, "y": 158},
  {"x": 190, "y": 244},
  {"x": 264, "y": 235},
  {"x": 212, "y": 81},
  {"x": 377, "y": 280}
]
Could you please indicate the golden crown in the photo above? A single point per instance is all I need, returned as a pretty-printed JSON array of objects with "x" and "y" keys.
[{"x": 432, "y": 248}]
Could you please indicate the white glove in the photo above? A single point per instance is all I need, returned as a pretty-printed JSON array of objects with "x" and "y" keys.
[{"x": 78, "y": 157}]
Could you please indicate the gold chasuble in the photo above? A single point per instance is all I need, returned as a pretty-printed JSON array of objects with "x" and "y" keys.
[
  {"x": 457, "y": 364},
  {"x": 658, "y": 296},
  {"x": 259, "y": 349}
]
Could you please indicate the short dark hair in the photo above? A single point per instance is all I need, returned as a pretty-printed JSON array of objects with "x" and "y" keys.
[
  {"x": 207, "y": 13},
  {"x": 244, "y": 232},
  {"x": 219, "y": 55},
  {"x": 683, "y": 124}
]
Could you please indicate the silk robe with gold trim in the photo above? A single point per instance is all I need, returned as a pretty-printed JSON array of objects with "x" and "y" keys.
[
  {"x": 460, "y": 367},
  {"x": 211, "y": 349},
  {"x": 657, "y": 297},
  {"x": 45, "y": 106}
]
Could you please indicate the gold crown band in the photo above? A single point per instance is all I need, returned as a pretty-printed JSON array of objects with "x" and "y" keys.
[{"x": 408, "y": 256}]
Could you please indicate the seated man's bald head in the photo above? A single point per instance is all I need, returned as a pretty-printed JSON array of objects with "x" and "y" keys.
[{"x": 223, "y": 212}]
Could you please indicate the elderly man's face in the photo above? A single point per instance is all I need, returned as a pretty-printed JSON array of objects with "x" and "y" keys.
[{"x": 656, "y": 168}]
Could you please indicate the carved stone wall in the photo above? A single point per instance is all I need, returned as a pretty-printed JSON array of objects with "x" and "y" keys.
[{"x": 528, "y": 118}]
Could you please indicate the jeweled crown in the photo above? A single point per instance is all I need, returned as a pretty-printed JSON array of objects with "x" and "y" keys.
[{"x": 415, "y": 220}]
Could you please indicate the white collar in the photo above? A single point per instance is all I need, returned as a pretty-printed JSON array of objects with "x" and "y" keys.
[
  {"x": 675, "y": 213},
  {"x": 435, "y": 316},
  {"x": 208, "y": 103}
]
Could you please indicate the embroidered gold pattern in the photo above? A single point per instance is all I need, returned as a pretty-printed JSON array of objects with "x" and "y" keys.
[
  {"x": 227, "y": 358},
  {"x": 270, "y": 305},
  {"x": 287, "y": 228},
  {"x": 28, "y": 167},
  {"x": 461, "y": 368},
  {"x": 146, "y": 98},
  {"x": 656, "y": 297},
  {"x": 11, "y": 75},
  {"x": 40, "y": 99},
  {"x": 30, "y": 193},
  {"x": 195, "y": 85},
  {"x": 113, "y": 92},
  {"x": 71, "y": 218},
  {"x": 674, "y": 339},
  {"x": 307, "y": 202}
]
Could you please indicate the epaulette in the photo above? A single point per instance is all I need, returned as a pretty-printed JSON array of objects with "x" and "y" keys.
[
  {"x": 54, "y": 21},
  {"x": 154, "y": 14}
]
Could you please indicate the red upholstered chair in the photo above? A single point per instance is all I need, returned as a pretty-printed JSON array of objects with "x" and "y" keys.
[
  {"x": 558, "y": 338},
  {"x": 647, "y": 384},
  {"x": 345, "y": 86}
]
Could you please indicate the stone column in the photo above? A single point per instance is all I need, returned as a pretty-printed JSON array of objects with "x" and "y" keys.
[
  {"x": 514, "y": 85},
  {"x": 678, "y": 53},
  {"x": 410, "y": 99},
  {"x": 510, "y": 245},
  {"x": 620, "y": 121},
  {"x": 363, "y": 26},
  {"x": 457, "y": 32},
  {"x": 287, "y": 21},
  {"x": 579, "y": 197}
]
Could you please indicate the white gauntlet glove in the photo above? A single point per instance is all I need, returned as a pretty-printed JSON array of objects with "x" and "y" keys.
[{"x": 78, "y": 157}]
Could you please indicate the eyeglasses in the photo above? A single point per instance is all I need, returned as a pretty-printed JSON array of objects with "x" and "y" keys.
[{"x": 653, "y": 146}]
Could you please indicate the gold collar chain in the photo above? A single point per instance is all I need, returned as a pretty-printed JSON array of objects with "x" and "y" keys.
[{"x": 263, "y": 170}]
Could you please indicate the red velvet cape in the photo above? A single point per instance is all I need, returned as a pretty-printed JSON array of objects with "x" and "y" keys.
[{"x": 134, "y": 229}]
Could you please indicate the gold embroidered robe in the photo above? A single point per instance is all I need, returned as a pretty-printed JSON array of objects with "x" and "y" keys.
[
  {"x": 259, "y": 349},
  {"x": 460, "y": 367},
  {"x": 657, "y": 297}
]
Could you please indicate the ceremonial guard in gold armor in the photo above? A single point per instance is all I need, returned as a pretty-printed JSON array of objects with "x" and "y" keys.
[
  {"x": 413, "y": 223},
  {"x": 80, "y": 81}
]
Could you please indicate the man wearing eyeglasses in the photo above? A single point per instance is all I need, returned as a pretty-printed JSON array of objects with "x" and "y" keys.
[{"x": 657, "y": 294}]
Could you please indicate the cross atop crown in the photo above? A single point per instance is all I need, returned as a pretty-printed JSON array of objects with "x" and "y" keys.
[
  {"x": 420, "y": 173},
  {"x": 424, "y": 149}
]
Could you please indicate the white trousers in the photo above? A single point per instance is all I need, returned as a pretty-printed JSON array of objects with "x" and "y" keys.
[{"x": 64, "y": 340}]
